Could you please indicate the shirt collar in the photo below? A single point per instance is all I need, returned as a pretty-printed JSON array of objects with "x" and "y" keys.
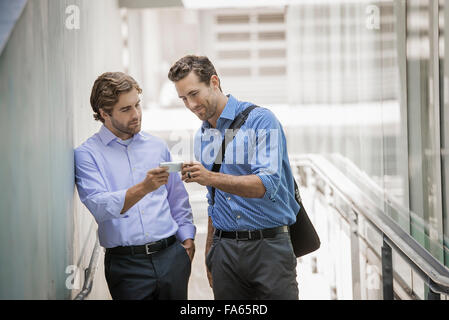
[
  {"x": 227, "y": 113},
  {"x": 140, "y": 136},
  {"x": 107, "y": 136}
]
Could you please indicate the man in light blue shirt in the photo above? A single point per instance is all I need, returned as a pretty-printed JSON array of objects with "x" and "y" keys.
[
  {"x": 143, "y": 213},
  {"x": 249, "y": 254}
]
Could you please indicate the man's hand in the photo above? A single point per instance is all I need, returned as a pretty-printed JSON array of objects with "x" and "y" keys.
[
  {"x": 155, "y": 178},
  {"x": 247, "y": 186},
  {"x": 195, "y": 172},
  {"x": 189, "y": 245}
]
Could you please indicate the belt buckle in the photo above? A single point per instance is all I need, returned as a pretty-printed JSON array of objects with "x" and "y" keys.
[
  {"x": 247, "y": 235},
  {"x": 147, "y": 248}
]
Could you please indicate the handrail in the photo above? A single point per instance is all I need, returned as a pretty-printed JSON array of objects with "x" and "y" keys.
[
  {"x": 420, "y": 259},
  {"x": 89, "y": 273}
]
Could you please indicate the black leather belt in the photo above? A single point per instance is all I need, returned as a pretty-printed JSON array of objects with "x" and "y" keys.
[
  {"x": 148, "y": 248},
  {"x": 251, "y": 235}
]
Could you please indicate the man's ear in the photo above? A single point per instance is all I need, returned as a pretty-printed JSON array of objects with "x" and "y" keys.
[
  {"x": 215, "y": 81},
  {"x": 103, "y": 114}
]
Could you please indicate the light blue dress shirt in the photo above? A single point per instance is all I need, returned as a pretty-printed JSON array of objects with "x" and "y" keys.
[
  {"x": 259, "y": 148},
  {"x": 106, "y": 167}
]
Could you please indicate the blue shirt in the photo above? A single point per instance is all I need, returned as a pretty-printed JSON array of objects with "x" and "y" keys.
[
  {"x": 106, "y": 167},
  {"x": 259, "y": 148}
]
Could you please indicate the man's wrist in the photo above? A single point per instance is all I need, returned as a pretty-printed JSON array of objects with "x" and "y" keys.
[
  {"x": 143, "y": 190},
  {"x": 212, "y": 178}
]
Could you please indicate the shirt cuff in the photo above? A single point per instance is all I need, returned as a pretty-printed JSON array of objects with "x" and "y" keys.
[
  {"x": 115, "y": 204},
  {"x": 270, "y": 191},
  {"x": 186, "y": 232}
]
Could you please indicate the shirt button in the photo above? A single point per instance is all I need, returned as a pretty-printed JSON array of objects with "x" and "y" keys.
[
  {"x": 229, "y": 198},
  {"x": 238, "y": 217}
]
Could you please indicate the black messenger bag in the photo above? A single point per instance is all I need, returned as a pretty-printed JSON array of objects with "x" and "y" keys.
[{"x": 303, "y": 235}]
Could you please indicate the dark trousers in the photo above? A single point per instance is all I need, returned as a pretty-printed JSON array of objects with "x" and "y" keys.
[
  {"x": 163, "y": 275},
  {"x": 253, "y": 269}
]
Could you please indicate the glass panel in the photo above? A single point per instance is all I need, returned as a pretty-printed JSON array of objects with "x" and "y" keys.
[
  {"x": 394, "y": 111},
  {"x": 423, "y": 122},
  {"x": 444, "y": 121}
]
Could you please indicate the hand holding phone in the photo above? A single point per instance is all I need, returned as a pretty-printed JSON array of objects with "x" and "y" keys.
[{"x": 172, "y": 166}]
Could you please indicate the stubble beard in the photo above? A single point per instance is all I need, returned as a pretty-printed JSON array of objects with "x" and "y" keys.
[
  {"x": 126, "y": 129},
  {"x": 211, "y": 110}
]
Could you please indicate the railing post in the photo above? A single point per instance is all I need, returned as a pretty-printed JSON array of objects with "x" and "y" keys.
[
  {"x": 355, "y": 257},
  {"x": 387, "y": 271},
  {"x": 431, "y": 295}
]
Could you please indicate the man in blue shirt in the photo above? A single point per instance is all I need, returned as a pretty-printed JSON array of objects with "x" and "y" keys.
[
  {"x": 249, "y": 254},
  {"x": 143, "y": 212}
]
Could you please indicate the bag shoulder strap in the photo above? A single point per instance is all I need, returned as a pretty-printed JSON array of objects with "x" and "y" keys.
[
  {"x": 297, "y": 195},
  {"x": 230, "y": 134}
]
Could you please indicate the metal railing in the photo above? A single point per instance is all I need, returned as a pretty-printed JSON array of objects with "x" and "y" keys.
[
  {"x": 420, "y": 260},
  {"x": 89, "y": 272}
]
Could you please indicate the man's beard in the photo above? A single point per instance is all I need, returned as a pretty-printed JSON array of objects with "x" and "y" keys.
[
  {"x": 210, "y": 111},
  {"x": 126, "y": 129}
]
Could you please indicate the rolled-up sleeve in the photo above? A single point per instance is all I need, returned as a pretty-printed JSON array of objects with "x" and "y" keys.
[
  {"x": 266, "y": 161},
  {"x": 180, "y": 209},
  {"x": 104, "y": 205}
]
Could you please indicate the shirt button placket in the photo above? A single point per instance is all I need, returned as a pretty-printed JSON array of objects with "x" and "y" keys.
[
  {"x": 133, "y": 169},
  {"x": 133, "y": 175}
]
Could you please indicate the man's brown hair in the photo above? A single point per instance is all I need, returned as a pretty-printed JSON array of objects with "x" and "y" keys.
[
  {"x": 107, "y": 89},
  {"x": 200, "y": 65}
]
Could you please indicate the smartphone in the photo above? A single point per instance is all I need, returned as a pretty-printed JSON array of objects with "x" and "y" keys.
[{"x": 172, "y": 166}]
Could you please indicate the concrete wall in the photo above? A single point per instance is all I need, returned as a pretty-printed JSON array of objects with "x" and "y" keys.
[{"x": 46, "y": 74}]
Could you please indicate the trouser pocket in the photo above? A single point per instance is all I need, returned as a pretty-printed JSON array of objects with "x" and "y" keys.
[{"x": 211, "y": 253}]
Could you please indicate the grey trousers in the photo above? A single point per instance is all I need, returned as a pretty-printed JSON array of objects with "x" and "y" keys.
[
  {"x": 253, "y": 269},
  {"x": 159, "y": 276}
]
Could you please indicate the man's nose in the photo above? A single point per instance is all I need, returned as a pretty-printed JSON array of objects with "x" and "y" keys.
[{"x": 135, "y": 113}]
